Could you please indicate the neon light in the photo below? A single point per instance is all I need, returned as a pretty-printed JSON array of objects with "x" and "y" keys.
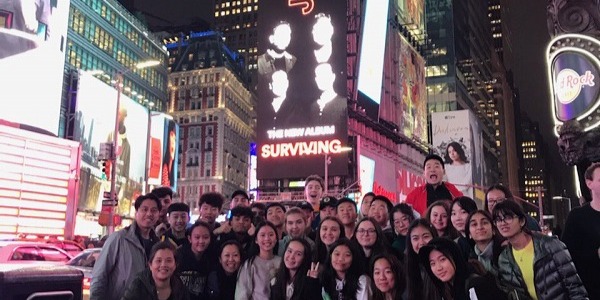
[
  {"x": 380, "y": 190},
  {"x": 307, "y": 5},
  {"x": 42, "y": 214},
  {"x": 31, "y": 222},
  {"x": 19, "y": 168},
  {"x": 301, "y": 148},
  {"x": 42, "y": 230},
  {"x": 32, "y": 204},
  {"x": 12, "y": 185}
]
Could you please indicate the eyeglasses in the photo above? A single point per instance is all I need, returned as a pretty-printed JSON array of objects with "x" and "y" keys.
[
  {"x": 364, "y": 231},
  {"x": 493, "y": 202},
  {"x": 507, "y": 219}
]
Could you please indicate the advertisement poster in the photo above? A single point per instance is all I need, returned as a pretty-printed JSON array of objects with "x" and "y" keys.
[
  {"x": 302, "y": 97},
  {"x": 163, "y": 154},
  {"x": 454, "y": 140},
  {"x": 95, "y": 124},
  {"x": 412, "y": 13},
  {"x": 34, "y": 32}
]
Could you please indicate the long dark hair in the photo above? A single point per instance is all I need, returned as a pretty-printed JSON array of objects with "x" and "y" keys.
[
  {"x": 254, "y": 249},
  {"x": 459, "y": 150},
  {"x": 278, "y": 289},
  {"x": 464, "y": 202},
  {"x": 329, "y": 275},
  {"x": 399, "y": 278},
  {"x": 449, "y": 232},
  {"x": 450, "y": 250},
  {"x": 403, "y": 208},
  {"x": 381, "y": 243},
  {"x": 497, "y": 238},
  {"x": 513, "y": 209},
  {"x": 320, "y": 254},
  {"x": 412, "y": 266}
]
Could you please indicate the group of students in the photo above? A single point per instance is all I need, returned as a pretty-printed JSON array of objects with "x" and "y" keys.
[{"x": 375, "y": 251}]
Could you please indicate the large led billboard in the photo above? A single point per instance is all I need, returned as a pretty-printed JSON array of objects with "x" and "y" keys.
[
  {"x": 33, "y": 37},
  {"x": 94, "y": 124},
  {"x": 411, "y": 13},
  {"x": 457, "y": 139},
  {"x": 372, "y": 51},
  {"x": 302, "y": 98},
  {"x": 163, "y": 156}
]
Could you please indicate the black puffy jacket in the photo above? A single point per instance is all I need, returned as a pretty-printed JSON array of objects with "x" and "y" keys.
[
  {"x": 555, "y": 276},
  {"x": 143, "y": 288}
]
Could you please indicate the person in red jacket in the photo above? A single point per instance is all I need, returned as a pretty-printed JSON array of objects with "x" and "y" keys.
[{"x": 436, "y": 189}]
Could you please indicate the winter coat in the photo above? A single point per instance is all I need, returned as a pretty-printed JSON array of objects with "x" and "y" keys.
[
  {"x": 143, "y": 287},
  {"x": 417, "y": 198},
  {"x": 555, "y": 276},
  {"x": 122, "y": 257}
]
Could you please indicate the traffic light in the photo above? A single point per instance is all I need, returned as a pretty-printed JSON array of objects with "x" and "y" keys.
[{"x": 106, "y": 169}]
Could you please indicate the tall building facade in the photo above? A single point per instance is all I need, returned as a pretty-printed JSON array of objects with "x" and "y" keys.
[
  {"x": 104, "y": 36},
  {"x": 210, "y": 100},
  {"x": 533, "y": 177},
  {"x": 237, "y": 20},
  {"x": 460, "y": 70}
]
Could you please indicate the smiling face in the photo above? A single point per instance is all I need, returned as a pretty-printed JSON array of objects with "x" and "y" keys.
[
  {"x": 480, "y": 228},
  {"x": 441, "y": 266},
  {"x": 346, "y": 212},
  {"x": 208, "y": 213},
  {"x": 179, "y": 220},
  {"x": 433, "y": 172},
  {"x": 383, "y": 275},
  {"x": 295, "y": 225},
  {"x": 419, "y": 237},
  {"x": 294, "y": 255},
  {"x": 162, "y": 265},
  {"x": 313, "y": 191},
  {"x": 200, "y": 239},
  {"x": 366, "y": 235},
  {"x": 330, "y": 232},
  {"x": 230, "y": 259},
  {"x": 266, "y": 238},
  {"x": 459, "y": 217},
  {"x": 240, "y": 224},
  {"x": 147, "y": 214},
  {"x": 509, "y": 225},
  {"x": 439, "y": 218},
  {"x": 379, "y": 212},
  {"x": 276, "y": 215},
  {"x": 341, "y": 259}
]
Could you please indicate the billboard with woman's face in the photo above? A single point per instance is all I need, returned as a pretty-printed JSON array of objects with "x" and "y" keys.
[{"x": 164, "y": 143}]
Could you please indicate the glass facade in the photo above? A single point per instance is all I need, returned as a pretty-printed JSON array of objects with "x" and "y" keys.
[{"x": 104, "y": 36}]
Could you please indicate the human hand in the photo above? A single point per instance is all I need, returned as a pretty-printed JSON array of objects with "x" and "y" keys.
[{"x": 314, "y": 270}]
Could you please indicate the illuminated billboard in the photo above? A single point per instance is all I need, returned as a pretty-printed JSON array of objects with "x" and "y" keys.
[
  {"x": 163, "y": 156},
  {"x": 33, "y": 37},
  {"x": 454, "y": 139},
  {"x": 411, "y": 13},
  {"x": 406, "y": 103},
  {"x": 95, "y": 124},
  {"x": 573, "y": 74},
  {"x": 302, "y": 98},
  {"x": 372, "y": 51}
]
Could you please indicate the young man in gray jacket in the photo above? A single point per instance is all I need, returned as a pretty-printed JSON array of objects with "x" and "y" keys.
[{"x": 126, "y": 251}]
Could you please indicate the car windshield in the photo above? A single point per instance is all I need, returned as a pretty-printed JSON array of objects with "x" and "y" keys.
[{"x": 86, "y": 259}]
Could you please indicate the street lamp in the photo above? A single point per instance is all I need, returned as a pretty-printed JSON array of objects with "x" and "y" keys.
[
  {"x": 113, "y": 157},
  {"x": 328, "y": 161}
]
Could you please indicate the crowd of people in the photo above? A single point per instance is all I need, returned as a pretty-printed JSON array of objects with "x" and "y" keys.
[{"x": 435, "y": 245}]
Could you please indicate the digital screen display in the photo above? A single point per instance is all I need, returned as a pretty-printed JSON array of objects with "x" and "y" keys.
[
  {"x": 367, "y": 174},
  {"x": 163, "y": 155},
  {"x": 372, "y": 51},
  {"x": 302, "y": 98},
  {"x": 575, "y": 85},
  {"x": 33, "y": 37},
  {"x": 94, "y": 124}
]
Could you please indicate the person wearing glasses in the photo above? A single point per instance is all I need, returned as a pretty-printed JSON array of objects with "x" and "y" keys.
[
  {"x": 498, "y": 193},
  {"x": 370, "y": 239},
  {"x": 533, "y": 265}
]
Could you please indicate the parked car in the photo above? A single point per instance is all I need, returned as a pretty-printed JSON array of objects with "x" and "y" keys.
[
  {"x": 32, "y": 253},
  {"x": 84, "y": 262}
]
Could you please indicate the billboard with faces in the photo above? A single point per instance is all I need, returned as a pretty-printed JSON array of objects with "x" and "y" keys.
[
  {"x": 33, "y": 37},
  {"x": 163, "y": 155},
  {"x": 94, "y": 124},
  {"x": 302, "y": 96}
]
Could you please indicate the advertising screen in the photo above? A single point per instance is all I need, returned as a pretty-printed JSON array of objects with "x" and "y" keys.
[
  {"x": 412, "y": 14},
  {"x": 302, "y": 98},
  {"x": 33, "y": 37},
  {"x": 406, "y": 82},
  {"x": 372, "y": 51},
  {"x": 163, "y": 155},
  {"x": 454, "y": 140},
  {"x": 95, "y": 124}
]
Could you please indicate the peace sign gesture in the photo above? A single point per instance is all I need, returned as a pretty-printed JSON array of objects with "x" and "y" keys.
[{"x": 314, "y": 270}]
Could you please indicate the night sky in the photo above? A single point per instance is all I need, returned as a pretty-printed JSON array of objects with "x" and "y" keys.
[{"x": 529, "y": 40}]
